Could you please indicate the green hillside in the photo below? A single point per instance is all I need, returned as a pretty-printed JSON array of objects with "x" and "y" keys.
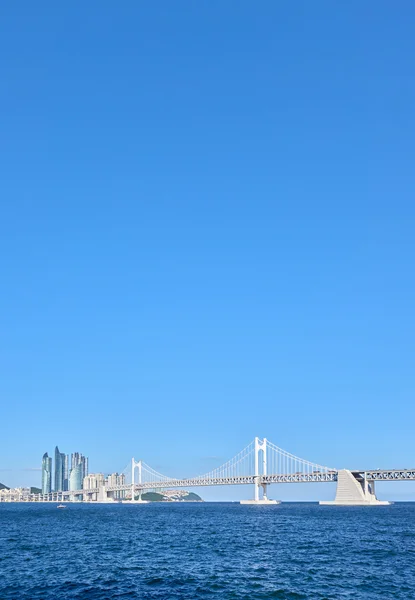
[
  {"x": 3, "y": 487},
  {"x": 192, "y": 497},
  {"x": 152, "y": 497},
  {"x": 157, "y": 497}
]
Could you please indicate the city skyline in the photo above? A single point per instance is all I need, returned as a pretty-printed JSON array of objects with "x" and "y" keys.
[
  {"x": 80, "y": 469},
  {"x": 81, "y": 478},
  {"x": 261, "y": 464},
  {"x": 73, "y": 478},
  {"x": 64, "y": 478}
]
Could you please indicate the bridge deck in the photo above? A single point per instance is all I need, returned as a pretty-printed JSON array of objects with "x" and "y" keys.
[{"x": 314, "y": 477}]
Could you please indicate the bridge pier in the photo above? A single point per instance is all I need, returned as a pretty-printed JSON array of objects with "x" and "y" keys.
[
  {"x": 102, "y": 494},
  {"x": 257, "y": 496},
  {"x": 354, "y": 489},
  {"x": 140, "y": 500}
]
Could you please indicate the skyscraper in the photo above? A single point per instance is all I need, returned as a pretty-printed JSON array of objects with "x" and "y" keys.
[
  {"x": 76, "y": 478},
  {"x": 46, "y": 474},
  {"x": 60, "y": 460},
  {"x": 79, "y": 470},
  {"x": 75, "y": 458},
  {"x": 66, "y": 473}
]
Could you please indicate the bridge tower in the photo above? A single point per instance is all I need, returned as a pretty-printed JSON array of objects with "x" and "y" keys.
[
  {"x": 260, "y": 469},
  {"x": 136, "y": 464}
]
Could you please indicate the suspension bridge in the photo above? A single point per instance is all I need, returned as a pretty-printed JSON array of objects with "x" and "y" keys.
[{"x": 260, "y": 464}]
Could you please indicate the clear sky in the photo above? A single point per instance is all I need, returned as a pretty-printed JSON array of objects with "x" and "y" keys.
[{"x": 207, "y": 233}]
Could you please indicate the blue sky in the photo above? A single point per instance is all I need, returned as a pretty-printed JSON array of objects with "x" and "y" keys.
[{"x": 207, "y": 234}]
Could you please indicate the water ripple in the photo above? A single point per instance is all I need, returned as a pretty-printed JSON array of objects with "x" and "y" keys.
[{"x": 218, "y": 551}]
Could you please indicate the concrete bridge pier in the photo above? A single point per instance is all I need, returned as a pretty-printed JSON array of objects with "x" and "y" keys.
[
  {"x": 102, "y": 494},
  {"x": 257, "y": 497},
  {"x": 353, "y": 489},
  {"x": 140, "y": 500}
]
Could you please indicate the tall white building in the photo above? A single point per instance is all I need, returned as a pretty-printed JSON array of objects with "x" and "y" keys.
[
  {"x": 91, "y": 482},
  {"x": 116, "y": 479}
]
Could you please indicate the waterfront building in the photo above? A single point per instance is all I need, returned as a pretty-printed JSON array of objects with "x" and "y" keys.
[
  {"x": 65, "y": 479},
  {"x": 116, "y": 479},
  {"x": 79, "y": 470},
  {"x": 60, "y": 461},
  {"x": 14, "y": 494},
  {"x": 76, "y": 477},
  {"x": 66, "y": 473},
  {"x": 74, "y": 459},
  {"x": 93, "y": 480},
  {"x": 46, "y": 474},
  {"x": 79, "y": 459}
]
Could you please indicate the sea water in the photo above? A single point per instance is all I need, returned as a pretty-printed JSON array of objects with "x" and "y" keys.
[{"x": 206, "y": 550}]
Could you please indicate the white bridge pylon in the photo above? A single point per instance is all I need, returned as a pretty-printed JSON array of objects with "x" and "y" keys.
[
  {"x": 260, "y": 463},
  {"x": 260, "y": 447}
]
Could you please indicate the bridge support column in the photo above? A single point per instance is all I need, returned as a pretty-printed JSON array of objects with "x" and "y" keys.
[
  {"x": 102, "y": 494},
  {"x": 260, "y": 446},
  {"x": 140, "y": 500},
  {"x": 353, "y": 489},
  {"x": 132, "y": 480}
]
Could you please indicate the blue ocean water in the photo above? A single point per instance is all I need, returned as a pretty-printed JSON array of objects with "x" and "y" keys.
[{"x": 206, "y": 550}]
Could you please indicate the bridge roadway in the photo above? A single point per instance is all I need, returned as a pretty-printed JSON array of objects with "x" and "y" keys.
[
  {"x": 206, "y": 482},
  {"x": 331, "y": 476},
  {"x": 313, "y": 477},
  {"x": 388, "y": 474}
]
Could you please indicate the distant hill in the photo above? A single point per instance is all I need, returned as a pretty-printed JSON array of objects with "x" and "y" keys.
[
  {"x": 192, "y": 497},
  {"x": 33, "y": 490},
  {"x": 152, "y": 497},
  {"x": 157, "y": 497}
]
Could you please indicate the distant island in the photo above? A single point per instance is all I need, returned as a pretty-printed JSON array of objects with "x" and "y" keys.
[{"x": 171, "y": 496}]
